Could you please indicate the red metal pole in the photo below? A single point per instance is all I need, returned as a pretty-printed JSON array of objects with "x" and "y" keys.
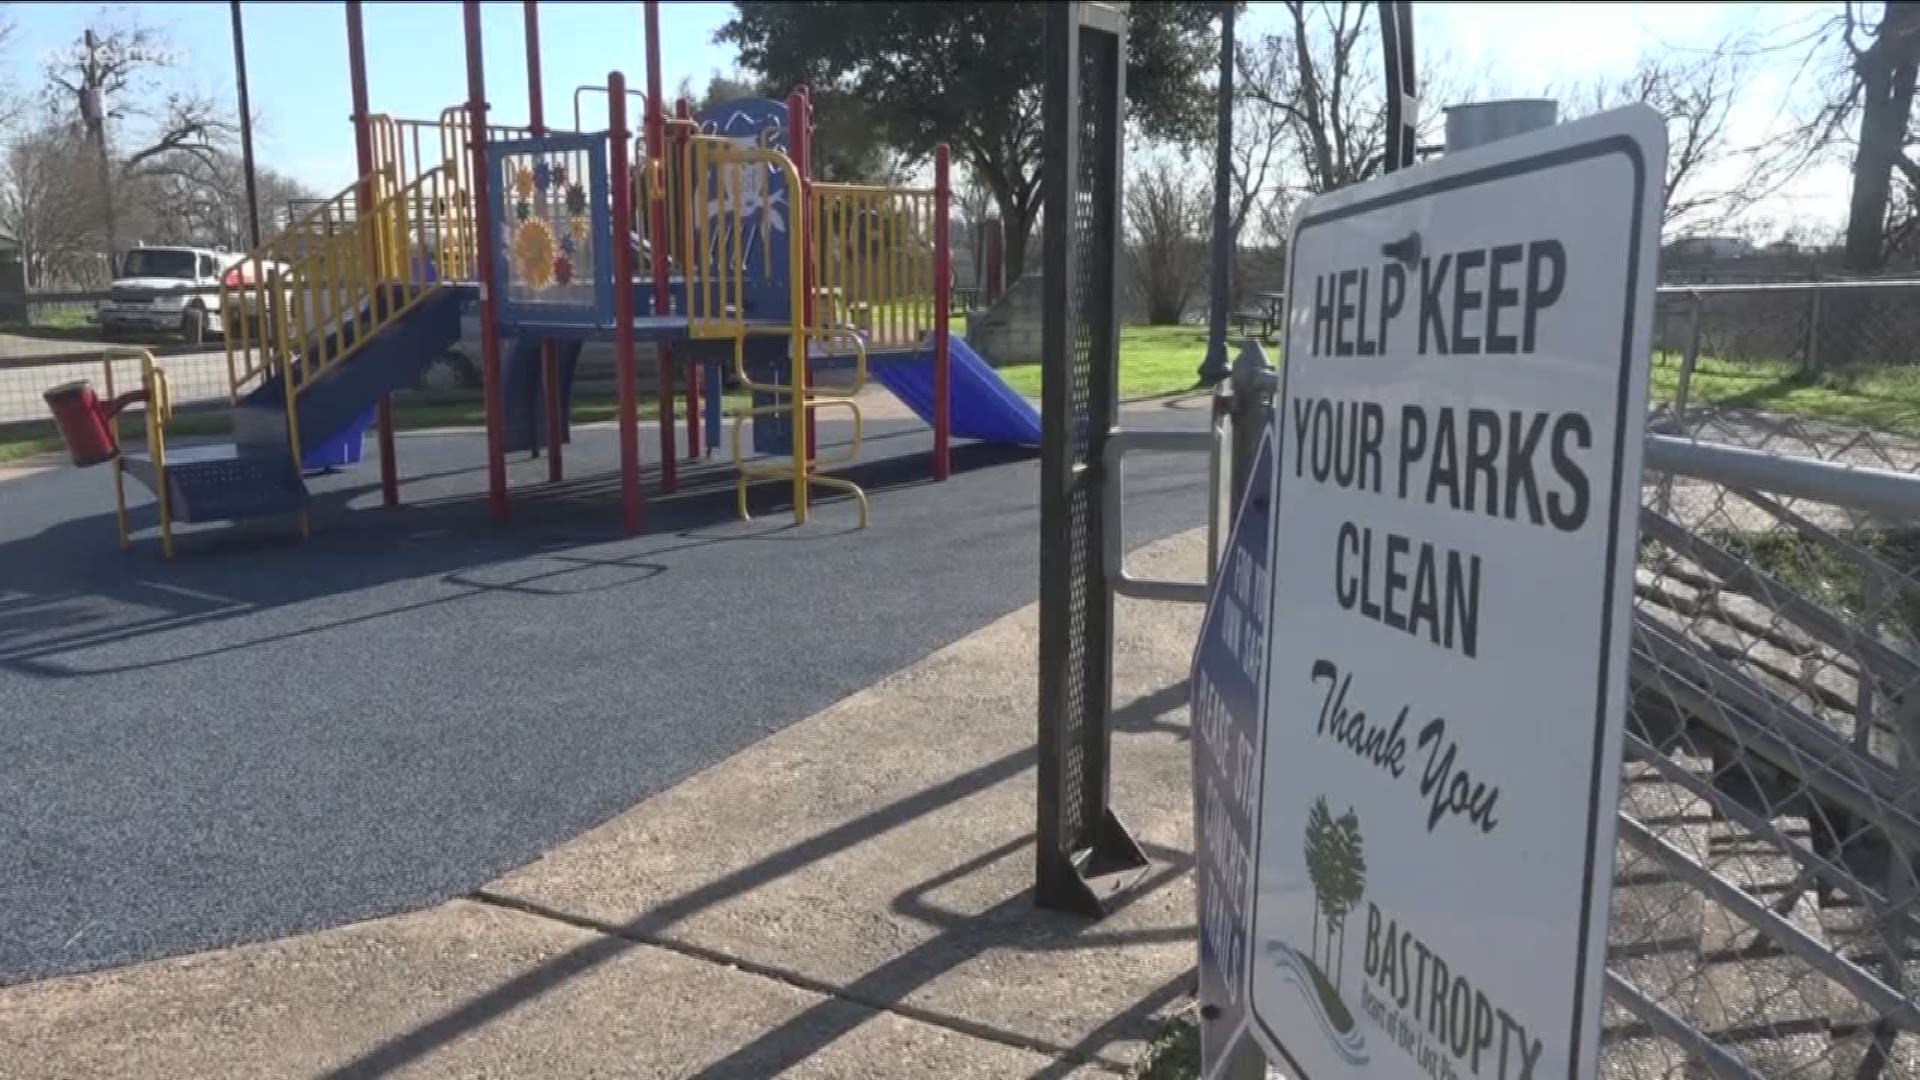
[
  {"x": 536, "y": 95},
  {"x": 549, "y": 361},
  {"x": 363, "y": 207},
  {"x": 489, "y": 301},
  {"x": 657, "y": 217},
  {"x": 800, "y": 124},
  {"x": 618, "y": 139},
  {"x": 942, "y": 300},
  {"x": 697, "y": 388}
]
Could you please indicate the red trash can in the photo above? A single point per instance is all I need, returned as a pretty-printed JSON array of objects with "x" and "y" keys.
[{"x": 83, "y": 421}]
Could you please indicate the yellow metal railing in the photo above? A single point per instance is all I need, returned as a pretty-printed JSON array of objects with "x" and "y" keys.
[
  {"x": 404, "y": 151},
  {"x": 259, "y": 284},
  {"x": 455, "y": 130},
  {"x": 723, "y": 186},
  {"x": 712, "y": 241},
  {"x": 872, "y": 255},
  {"x": 335, "y": 278},
  {"x": 364, "y": 280},
  {"x": 158, "y": 410}
]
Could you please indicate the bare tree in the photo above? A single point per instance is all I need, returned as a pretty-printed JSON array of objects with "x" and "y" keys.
[
  {"x": 1886, "y": 63},
  {"x": 48, "y": 206},
  {"x": 1310, "y": 75},
  {"x": 1166, "y": 251},
  {"x": 1319, "y": 78},
  {"x": 1861, "y": 64},
  {"x": 123, "y": 65},
  {"x": 203, "y": 202},
  {"x": 1261, "y": 135},
  {"x": 1710, "y": 180},
  {"x": 10, "y": 103}
]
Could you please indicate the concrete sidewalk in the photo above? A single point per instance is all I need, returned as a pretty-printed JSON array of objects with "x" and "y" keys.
[{"x": 846, "y": 898}]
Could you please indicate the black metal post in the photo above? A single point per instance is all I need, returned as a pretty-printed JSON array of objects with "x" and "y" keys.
[
  {"x": 1214, "y": 367},
  {"x": 1080, "y": 839},
  {"x": 1403, "y": 87},
  {"x": 246, "y": 126}
]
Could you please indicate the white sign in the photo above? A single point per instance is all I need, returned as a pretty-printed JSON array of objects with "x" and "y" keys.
[{"x": 1455, "y": 518}]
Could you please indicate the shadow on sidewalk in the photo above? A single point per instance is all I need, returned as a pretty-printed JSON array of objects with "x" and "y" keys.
[{"x": 1013, "y": 923}]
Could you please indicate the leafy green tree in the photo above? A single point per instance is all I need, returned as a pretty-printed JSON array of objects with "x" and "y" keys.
[{"x": 971, "y": 75}]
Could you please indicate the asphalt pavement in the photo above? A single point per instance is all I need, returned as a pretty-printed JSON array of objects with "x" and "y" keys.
[{"x": 268, "y": 736}]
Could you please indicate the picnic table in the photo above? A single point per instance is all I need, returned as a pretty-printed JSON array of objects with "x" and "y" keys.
[{"x": 1268, "y": 311}]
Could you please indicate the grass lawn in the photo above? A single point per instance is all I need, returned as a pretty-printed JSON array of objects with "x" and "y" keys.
[
  {"x": 1157, "y": 360},
  {"x": 1887, "y": 398},
  {"x": 26, "y": 440},
  {"x": 56, "y": 325},
  {"x": 1154, "y": 360}
]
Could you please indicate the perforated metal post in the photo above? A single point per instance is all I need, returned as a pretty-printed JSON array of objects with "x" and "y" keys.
[{"x": 1080, "y": 839}]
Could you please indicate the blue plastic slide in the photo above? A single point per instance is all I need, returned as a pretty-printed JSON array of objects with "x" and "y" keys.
[{"x": 983, "y": 406}]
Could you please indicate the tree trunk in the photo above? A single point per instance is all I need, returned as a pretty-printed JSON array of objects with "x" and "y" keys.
[
  {"x": 1019, "y": 229},
  {"x": 1315, "y": 951},
  {"x": 1335, "y": 961},
  {"x": 1887, "y": 71}
]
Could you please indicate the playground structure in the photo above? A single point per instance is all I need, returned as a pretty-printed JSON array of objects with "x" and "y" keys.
[{"x": 707, "y": 236}]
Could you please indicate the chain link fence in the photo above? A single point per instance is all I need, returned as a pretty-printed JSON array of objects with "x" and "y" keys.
[
  {"x": 1766, "y": 908},
  {"x": 1764, "y": 916},
  {"x": 1844, "y": 351}
]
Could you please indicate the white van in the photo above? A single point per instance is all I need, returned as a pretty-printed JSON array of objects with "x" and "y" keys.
[{"x": 167, "y": 290}]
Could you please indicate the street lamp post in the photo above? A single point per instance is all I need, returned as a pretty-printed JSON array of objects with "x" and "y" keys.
[
  {"x": 246, "y": 126},
  {"x": 1215, "y": 367}
]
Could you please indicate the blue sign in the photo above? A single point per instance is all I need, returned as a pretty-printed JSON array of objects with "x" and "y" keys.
[
  {"x": 1226, "y": 685},
  {"x": 752, "y": 123}
]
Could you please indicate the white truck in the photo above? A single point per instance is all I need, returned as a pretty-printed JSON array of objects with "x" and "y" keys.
[{"x": 168, "y": 290}]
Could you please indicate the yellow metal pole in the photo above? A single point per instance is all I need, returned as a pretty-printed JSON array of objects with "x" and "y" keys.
[
  {"x": 159, "y": 405},
  {"x": 289, "y": 384},
  {"x": 896, "y": 270},
  {"x": 729, "y": 243}
]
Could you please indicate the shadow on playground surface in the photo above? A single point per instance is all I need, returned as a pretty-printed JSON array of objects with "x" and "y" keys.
[{"x": 266, "y": 735}]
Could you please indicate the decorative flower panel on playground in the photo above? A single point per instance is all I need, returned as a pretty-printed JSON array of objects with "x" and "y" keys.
[
  {"x": 746, "y": 206},
  {"x": 552, "y": 228}
]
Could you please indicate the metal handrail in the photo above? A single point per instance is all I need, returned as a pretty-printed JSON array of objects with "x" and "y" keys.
[{"x": 159, "y": 411}]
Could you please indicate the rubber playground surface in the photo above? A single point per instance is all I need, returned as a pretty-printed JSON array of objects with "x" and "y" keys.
[{"x": 267, "y": 736}]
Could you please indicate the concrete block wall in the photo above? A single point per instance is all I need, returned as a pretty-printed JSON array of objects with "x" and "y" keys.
[{"x": 1009, "y": 331}]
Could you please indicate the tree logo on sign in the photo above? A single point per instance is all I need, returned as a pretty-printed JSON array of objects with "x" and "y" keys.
[{"x": 1337, "y": 868}]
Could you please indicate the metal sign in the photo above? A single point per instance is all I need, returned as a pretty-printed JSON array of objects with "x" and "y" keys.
[
  {"x": 1225, "y": 706},
  {"x": 1455, "y": 518}
]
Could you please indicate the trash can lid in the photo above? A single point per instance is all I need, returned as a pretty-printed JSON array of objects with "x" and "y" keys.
[{"x": 67, "y": 390}]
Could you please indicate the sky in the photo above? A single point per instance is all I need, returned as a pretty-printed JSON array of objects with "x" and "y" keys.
[{"x": 297, "y": 60}]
